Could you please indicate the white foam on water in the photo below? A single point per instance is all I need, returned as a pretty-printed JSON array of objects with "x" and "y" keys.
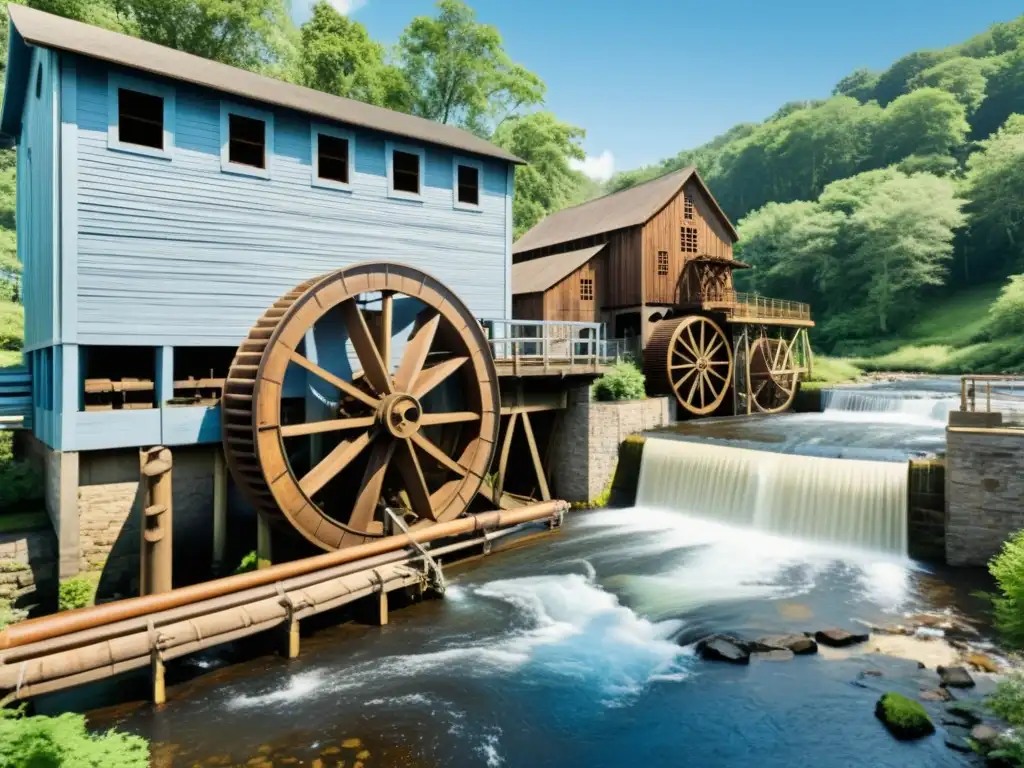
[
  {"x": 907, "y": 407},
  {"x": 489, "y": 748},
  {"x": 409, "y": 699}
]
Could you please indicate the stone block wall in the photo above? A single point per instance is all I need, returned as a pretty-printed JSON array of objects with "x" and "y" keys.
[
  {"x": 984, "y": 492},
  {"x": 588, "y": 446},
  {"x": 28, "y": 569}
]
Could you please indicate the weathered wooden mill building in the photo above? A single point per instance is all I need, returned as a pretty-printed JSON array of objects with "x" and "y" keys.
[
  {"x": 655, "y": 263},
  {"x": 212, "y": 257}
]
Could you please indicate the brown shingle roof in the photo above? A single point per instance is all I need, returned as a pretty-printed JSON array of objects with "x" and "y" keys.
[
  {"x": 627, "y": 208},
  {"x": 49, "y": 31},
  {"x": 540, "y": 274}
]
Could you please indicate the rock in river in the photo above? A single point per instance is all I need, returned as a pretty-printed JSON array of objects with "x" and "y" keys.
[
  {"x": 798, "y": 644},
  {"x": 955, "y": 677},
  {"x": 905, "y": 718},
  {"x": 985, "y": 736},
  {"x": 838, "y": 638},
  {"x": 724, "y": 648}
]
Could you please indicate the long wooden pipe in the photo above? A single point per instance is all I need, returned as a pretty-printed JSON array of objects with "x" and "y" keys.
[{"x": 47, "y": 627}]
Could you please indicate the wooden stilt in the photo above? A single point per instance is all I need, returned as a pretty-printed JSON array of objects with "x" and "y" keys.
[
  {"x": 220, "y": 509},
  {"x": 264, "y": 555},
  {"x": 382, "y": 608},
  {"x": 538, "y": 466},
  {"x": 506, "y": 447},
  {"x": 159, "y": 686},
  {"x": 291, "y": 639}
]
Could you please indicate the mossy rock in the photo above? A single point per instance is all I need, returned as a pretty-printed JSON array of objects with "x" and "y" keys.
[
  {"x": 627, "y": 471},
  {"x": 905, "y": 718}
]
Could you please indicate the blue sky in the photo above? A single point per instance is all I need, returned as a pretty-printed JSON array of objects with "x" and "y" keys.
[{"x": 648, "y": 78}]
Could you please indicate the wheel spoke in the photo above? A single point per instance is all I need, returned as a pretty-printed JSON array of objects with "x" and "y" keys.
[
  {"x": 331, "y": 425},
  {"x": 374, "y": 370},
  {"x": 442, "y": 458},
  {"x": 370, "y": 488},
  {"x": 431, "y": 377},
  {"x": 449, "y": 417},
  {"x": 702, "y": 347},
  {"x": 712, "y": 370},
  {"x": 703, "y": 377},
  {"x": 416, "y": 351},
  {"x": 693, "y": 342},
  {"x": 333, "y": 463},
  {"x": 387, "y": 303},
  {"x": 682, "y": 381},
  {"x": 714, "y": 349},
  {"x": 693, "y": 388},
  {"x": 330, "y": 378},
  {"x": 415, "y": 484},
  {"x": 683, "y": 365}
]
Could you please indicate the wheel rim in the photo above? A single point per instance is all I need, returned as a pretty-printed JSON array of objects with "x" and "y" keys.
[
  {"x": 414, "y": 430},
  {"x": 699, "y": 365},
  {"x": 773, "y": 375}
]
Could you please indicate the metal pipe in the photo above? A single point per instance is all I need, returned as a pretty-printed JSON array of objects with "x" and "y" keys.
[{"x": 47, "y": 627}]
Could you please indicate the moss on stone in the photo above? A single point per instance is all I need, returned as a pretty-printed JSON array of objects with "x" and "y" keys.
[
  {"x": 905, "y": 718},
  {"x": 627, "y": 471}
]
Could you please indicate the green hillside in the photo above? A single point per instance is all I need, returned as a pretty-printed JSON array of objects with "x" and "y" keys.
[{"x": 895, "y": 207}]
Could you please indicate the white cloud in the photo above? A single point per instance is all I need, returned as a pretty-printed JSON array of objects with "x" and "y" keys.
[
  {"x": 599, "y": 168},
  {"x": 346, "y": 7}
]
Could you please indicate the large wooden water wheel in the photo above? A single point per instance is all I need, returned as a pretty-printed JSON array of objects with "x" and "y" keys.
[
  {"x": 368, "y": 387},
  {"x": 689, "y": 357},
  {"x": 773, "y": 375}
]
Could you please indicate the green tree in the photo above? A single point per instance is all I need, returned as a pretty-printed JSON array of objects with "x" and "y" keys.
[
  {"x": 548, "y": 183},
  {"x": 252, "y": 34},
  {"x": 1005, "y": 94},
  {"x": 926, "y": 121},
  {"x": 859, "y": 84},
  {"x": 339, "y": 57},
  {"x": 459, "y": 72},
  {"x": 896, "y": 80},
  {"x": 963, "y": 77},
  {"x": 994, "y": 184}
]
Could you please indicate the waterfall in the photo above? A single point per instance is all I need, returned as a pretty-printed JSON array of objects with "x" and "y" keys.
[
  {"x": 860, "y": 504},
  {"x": 895, "y": 405}
]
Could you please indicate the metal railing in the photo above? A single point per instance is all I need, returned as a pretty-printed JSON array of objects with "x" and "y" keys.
[
  {"x": 15, "y": 398},
  {"x": 1002, "y": 394},
  {"x": 743, "y": 305},
  {"x": 549, "y": 342}
]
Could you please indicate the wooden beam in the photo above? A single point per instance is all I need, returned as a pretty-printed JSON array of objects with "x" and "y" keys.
[{"x": 538, "y": 466}]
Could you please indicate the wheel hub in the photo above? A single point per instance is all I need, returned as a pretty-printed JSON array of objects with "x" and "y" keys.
[
  {"x": 400, "y": 414},
  {"x": 702, "y": 364}
]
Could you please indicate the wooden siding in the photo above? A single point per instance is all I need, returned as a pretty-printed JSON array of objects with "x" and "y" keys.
[
  {"x": 37, "y": 185},
  {"x": 562, "y": 301},
  {"x": 662, "y": 233},
  {"x": 177, "y": 252}
]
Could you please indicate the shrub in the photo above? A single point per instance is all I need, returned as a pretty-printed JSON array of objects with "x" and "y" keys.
[
  {"x": 1006, "y": 314},
  {"x": 12, "y": 325},
  {"x": 77, "y": 592},
  {"x": 1007, "y": 568},
  {"x": 63, "y": 741},
  {"x": 623, "y": 382},
  {"x": 249, "y": 563}
]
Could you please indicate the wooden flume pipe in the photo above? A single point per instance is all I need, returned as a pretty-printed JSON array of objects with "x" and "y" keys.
[
  {"x": 47, "y": 627},
  {"x": 156, "y": 528}
]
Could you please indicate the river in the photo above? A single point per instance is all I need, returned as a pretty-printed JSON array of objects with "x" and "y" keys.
[{"x": 578, "y": 651}]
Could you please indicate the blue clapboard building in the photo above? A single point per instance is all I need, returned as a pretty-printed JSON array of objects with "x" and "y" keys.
[{"x": 164, "y": 201}]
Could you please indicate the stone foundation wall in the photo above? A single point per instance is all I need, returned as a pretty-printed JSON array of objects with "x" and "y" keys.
[
  {"x": 28, "y": 569},
  {"x": 588, "y": 447},
  {"x": 984, "y": 492}
]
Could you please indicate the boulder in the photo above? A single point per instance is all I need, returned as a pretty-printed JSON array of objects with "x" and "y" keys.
[
  {"x": 958, "y": 742},
  {"x": 838, "y": 638},
  {"x": 955, "y": 677},
  {"x": 724, "y": 648},
  {"x": 798, "y": 644},
  {"x": 905, "y": 718},
  {"x": 964, "y": 712},
  {"x": 985, "y": 736},
  {"x": 939, "y": 694},
  {"x": 982, "y": 662},
  {"x": 776, "y": 654}
]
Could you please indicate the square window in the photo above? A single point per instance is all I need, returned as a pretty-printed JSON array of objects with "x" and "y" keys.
[
  {"x": 469, "y": 185},
  {"x": 247, "y": 141},
  {"x": 332, "y": 158},
  {"x": 405, "y": 170},
  {"x": 140, "y": 118},
  {"x": 662, "y": 263},
  {"x": 586, "y": 289},
  {"x": 688, "y": 239},
  {"x": 687, "y": 207}
]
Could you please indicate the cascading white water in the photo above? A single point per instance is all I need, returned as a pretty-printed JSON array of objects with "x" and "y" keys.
[
  {"x": 860, "y": 504},
  {"x": 906, "y": 404}
]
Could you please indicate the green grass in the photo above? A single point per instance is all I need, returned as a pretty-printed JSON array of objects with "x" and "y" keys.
[
  {"x": 956, "y": 321},
  {"x": 12, "y": 325},
  {"x": 10, "y": 358},
  {"x": 13, "y": 522},
  {"x": 833, "y": 370}
]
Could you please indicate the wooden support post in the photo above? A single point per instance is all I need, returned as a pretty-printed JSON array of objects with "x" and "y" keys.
[
  {"x": 264, "y": 552},
  {"x": 291, "y": 638},
  {"x": 381, "y": 614},
  {"x": 506, "y": 447},
  {"x": 538, "y": 466},
  {"x": 220, "y": 509},
  {"x": 159, "y": 684},
  {"x": 155, "y": 541}
]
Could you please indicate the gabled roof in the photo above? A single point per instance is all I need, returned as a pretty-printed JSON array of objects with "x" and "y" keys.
[
  {"x": 628, "y": 208},
  {"x": 540, "y": 274},
  {"x": 37, "y": 28}
]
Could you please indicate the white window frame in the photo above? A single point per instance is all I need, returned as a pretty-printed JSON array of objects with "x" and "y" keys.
[
  {"x": 479, "y": 166},
  {"x": 116, "y": 81},
  {"x": 314, "y": 141},
  {"x": 390, "y": 147},
  {"x": 227, "y": 109}
]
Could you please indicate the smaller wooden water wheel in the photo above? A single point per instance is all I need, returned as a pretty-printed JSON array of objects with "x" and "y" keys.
[
  {"x": 773, "y": 375},
  {"x": 368, "y": 387},
  {"x": 689, "y": 357}
]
